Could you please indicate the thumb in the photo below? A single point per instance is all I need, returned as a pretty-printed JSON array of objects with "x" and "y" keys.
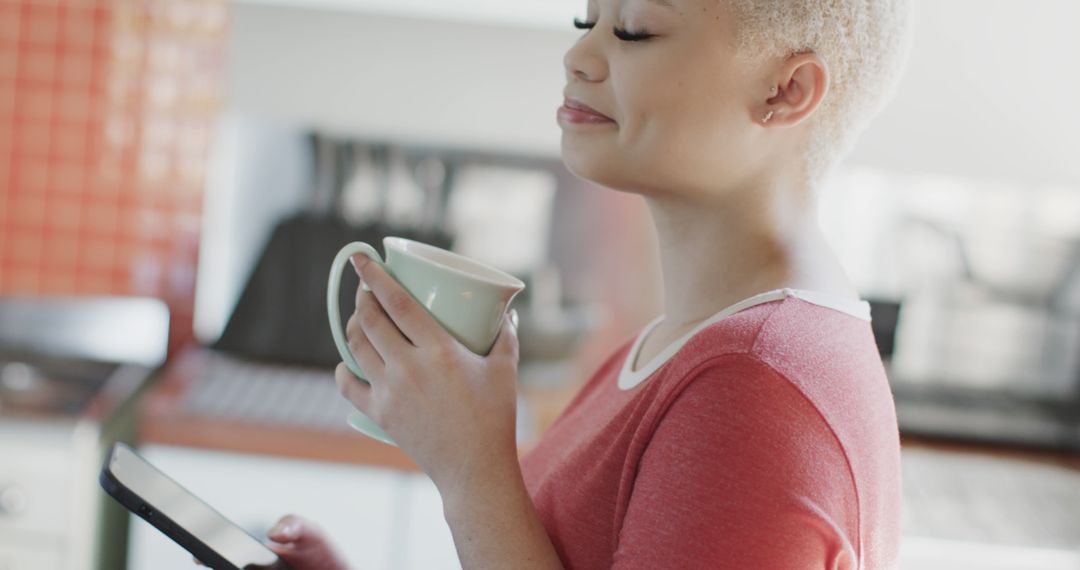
[
  {"x": 304, "y": 545},
  {"x": 289, "y": 528},
  {"x": 507, "y": 343}
]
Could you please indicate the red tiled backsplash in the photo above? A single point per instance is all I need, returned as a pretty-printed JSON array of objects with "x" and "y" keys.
[{"x": 106, "y": 108}]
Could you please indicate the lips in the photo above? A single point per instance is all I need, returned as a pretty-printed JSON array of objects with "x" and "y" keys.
[
  {"x": 579, "y": 106},
  {"x": 576, "y": 113}
]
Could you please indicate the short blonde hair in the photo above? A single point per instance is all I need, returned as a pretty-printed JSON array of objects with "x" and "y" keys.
[{"x": 864, "y": 43}]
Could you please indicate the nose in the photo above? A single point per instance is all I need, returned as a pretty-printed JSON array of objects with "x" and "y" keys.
[{"x": 584, "y": 61}]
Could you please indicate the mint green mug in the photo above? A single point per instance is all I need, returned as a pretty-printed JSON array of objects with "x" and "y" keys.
[{"x": 468, "y": 298}]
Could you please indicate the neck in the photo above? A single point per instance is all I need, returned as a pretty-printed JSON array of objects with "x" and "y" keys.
[{"x": 717, "y": 252}]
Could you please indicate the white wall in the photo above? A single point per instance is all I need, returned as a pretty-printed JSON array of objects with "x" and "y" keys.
[
  {"x": 234, "y": 232},
  {"x": 989, "y": 92},
  {"x": 439, "y": 82},
  {"x": 540, "y": 14}
]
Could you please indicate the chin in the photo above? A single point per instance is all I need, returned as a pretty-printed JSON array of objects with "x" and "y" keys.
[{"x": 598, "y": 162}]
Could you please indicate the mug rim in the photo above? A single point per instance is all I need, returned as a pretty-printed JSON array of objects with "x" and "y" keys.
[{"x": 486, "y": 274}]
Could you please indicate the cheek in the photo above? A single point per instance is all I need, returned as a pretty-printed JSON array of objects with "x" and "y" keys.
[
  {"x": 680, "y": 129},
  {"x": 656, "y": 97}
]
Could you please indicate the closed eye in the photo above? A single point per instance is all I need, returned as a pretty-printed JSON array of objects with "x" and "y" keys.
[
  {"x": 628, "y": 36},
  {"x": 581, "y": 25},
  {"x": 624, "y": 35}
]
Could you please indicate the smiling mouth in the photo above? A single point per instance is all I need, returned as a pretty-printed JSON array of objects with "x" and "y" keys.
[
  {"x": 576, "y": 112},
  {"x": 579, "y": 106}
]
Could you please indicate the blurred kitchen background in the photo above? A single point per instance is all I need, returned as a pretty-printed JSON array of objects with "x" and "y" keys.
[{"x": 176, "y": 175}]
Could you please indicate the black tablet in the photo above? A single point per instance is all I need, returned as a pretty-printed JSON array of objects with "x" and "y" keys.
[{"x": 213, "y": 539}]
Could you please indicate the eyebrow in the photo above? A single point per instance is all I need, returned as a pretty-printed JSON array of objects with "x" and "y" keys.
[{"x": 665, "y": 3}]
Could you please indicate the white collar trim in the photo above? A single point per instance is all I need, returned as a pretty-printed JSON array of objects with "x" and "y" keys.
[{"x": 629, "y": 378}]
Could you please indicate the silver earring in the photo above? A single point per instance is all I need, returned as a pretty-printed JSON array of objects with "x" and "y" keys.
[
  {"x": 772, "y": 90},
  {"x": 767, "y": 116}
]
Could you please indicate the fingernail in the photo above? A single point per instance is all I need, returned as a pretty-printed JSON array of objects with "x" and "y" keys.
[
  {"x": 514, "y": 317},
  {"x": 284, "y": 531},
  {"x": 358, "y": 264},
  {"x": 277, "y": 529}
]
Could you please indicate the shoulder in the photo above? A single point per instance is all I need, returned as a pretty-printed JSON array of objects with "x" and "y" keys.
[
  {"x": 740, "y": 430},
  {"x": 738, "y": 397},
  {"x": 789, "y": 326},
  {"x": 819, "y": 351},
  {"x": 801, "y": 333},
  {"x": 783, "y": 360},
  {"x": 737, "y": 459},
  {"x": 777, "y": 375}
]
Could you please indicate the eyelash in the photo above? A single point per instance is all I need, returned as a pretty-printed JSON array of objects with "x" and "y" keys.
[{"x": 624, "y": 35}]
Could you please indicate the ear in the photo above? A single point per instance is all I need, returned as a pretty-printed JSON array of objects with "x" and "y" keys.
[{"x": 801, "y": 85}]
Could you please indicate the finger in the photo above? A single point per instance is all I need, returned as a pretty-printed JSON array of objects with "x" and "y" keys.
[
  {"x": 381, "y": 331},
  {"x": 355, "y": 390},
  {"x": 414, "y": 321},
  {"x": 506, "y": 345},
  {"x": 304, "y": 544},
  {"x": 291, "y": 528},
  {"x": 361, "y": 348}
]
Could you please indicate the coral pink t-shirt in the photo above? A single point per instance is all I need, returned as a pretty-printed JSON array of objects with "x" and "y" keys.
[{"x": 768, "y": 440}]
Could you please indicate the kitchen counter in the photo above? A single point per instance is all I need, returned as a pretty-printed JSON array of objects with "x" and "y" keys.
[
  {"x": 171, "y": 414},
  {"x": 1007, "y": 452},
  {"x": 989, "y": 508},
  {"x": 169, "y": 417},
  {"x": 166, "y": 419}
]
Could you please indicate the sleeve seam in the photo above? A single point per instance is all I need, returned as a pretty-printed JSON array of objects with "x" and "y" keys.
[
  {"x": 839, "y": 443},
  {"x": 752, "y": 353},
  {"x": 696, "y": 373}
]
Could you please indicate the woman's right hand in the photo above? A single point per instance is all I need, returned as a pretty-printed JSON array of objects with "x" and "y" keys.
[{"x": 304, "y": 545}]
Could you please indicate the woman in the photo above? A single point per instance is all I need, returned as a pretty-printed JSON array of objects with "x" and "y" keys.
[{"x": 749, "y": 426}]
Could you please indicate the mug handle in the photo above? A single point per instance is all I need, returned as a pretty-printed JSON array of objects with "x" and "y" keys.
[{"x": 332, "y": 294}]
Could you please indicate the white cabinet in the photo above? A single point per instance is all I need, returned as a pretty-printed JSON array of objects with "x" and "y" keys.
[
  {"x": 28, "y": 559},
  {"x": 381, "y": 519},
  {"x": 430, "y": 545},
  {"x": 33, "y": 489},
  {"x": 37, "y": 471}
]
